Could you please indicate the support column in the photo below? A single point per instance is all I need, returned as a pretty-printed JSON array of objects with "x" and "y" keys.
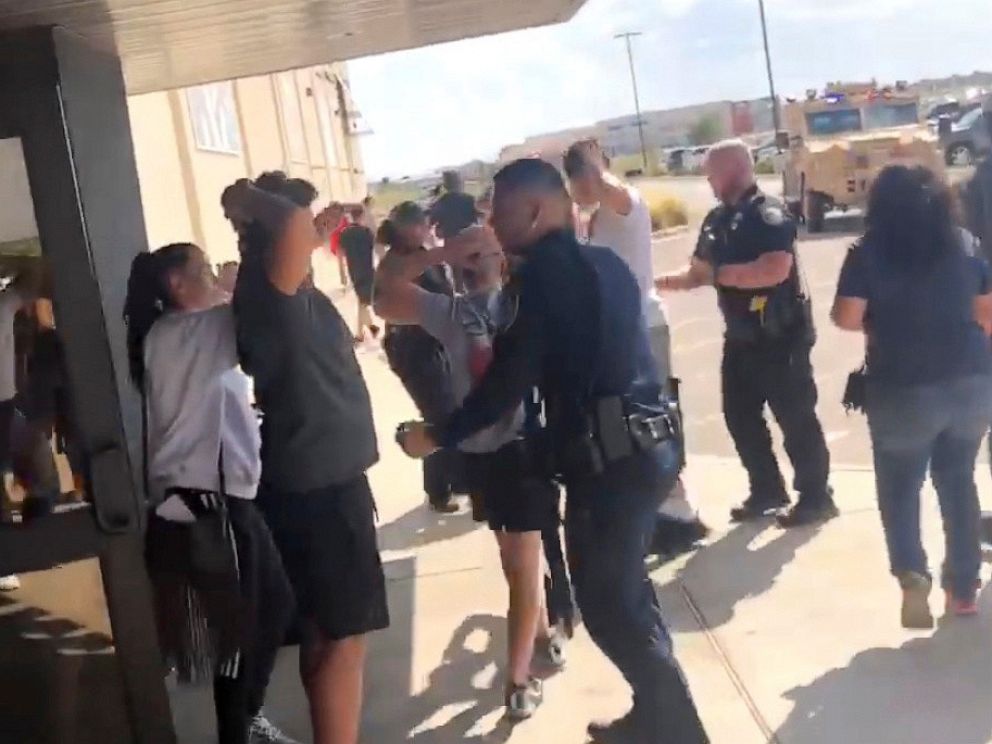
[{"x": 65, "y": 100}]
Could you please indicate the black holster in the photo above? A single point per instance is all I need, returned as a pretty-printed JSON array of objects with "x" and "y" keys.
[{"x": 615, "y": 429}]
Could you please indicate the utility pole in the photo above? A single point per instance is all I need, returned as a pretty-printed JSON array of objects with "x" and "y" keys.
[
  {"x": 776, "y": 117},
  {"x": 637, "y": 103}
]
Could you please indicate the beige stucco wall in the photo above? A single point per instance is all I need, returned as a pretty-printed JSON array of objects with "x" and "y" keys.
[
  {"x": 260, "y": 126},
  {"x": 181, "y": 183},
  {"x": 163, "y": 194}
]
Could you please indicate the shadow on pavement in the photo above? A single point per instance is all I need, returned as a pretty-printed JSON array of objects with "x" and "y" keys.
[
  {"x": 464, "y": 689},
  {"x": 48, "y": 669},
  {"x": 727, "y": 571},
  {"x": 421, "y": 526},
  {"x": 929, "y": 690}
]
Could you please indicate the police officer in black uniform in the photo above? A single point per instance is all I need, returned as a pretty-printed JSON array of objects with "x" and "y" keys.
[
  {"x": 746, "y": 249},
  {"x": 579, "y": 336}
]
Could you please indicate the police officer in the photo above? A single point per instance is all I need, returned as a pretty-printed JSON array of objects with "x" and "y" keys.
[
  {"x": 579, "y": 336},
  {"x": 747, "y": 250}
]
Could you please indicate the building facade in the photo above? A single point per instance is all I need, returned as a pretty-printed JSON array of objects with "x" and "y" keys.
[
  {"x": 190, "y": 143},
  {"x": 669, "y": 128}
]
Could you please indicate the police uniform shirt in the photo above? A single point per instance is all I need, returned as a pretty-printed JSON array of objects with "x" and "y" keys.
[{"x": 740, "y": 234}]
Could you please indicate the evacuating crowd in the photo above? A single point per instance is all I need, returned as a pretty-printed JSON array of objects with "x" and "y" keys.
[{"x": 529, "y": 330}]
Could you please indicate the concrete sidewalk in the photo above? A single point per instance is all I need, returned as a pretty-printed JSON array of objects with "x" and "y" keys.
[{"x": 789, "y": 637}]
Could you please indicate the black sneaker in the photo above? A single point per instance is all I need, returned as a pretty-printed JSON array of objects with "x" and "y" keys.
[
  {"x": 262, "y": 731},
  {"x": 448, "y": 506},
  {"x": 804, "y": 514},
  {"x": 625, "y": 730},
  {"x": 757, "y": 508},
  {"x": 36, "y": 507},
  {"x": 675, "y": 536}
]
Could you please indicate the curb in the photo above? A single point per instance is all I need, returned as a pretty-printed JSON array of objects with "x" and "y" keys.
[{"x": 669, "y": 232}]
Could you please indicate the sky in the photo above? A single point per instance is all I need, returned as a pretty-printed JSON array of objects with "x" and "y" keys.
[{"x": 452, "y": 103}]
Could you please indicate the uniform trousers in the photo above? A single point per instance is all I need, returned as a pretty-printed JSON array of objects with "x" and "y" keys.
[
  {"x": 609, "y": 523},
  {"x": 780, "y": 375}
]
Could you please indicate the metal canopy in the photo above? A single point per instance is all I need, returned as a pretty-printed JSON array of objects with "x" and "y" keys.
[{"x": 175, "y": 43}]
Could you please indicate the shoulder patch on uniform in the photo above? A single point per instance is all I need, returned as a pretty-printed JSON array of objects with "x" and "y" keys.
[{"x": 772, "y": 214}]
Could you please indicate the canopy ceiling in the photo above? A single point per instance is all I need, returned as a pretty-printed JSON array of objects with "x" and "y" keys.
[{"x": 175, "y": 43}]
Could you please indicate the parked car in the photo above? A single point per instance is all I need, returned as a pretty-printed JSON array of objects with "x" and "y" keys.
[{"x": 966, "y": 140}]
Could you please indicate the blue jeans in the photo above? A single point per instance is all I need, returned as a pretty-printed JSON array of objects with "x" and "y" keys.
[
  {"x": 937, "y": 427},
  {"x": 608, "y": 526}
]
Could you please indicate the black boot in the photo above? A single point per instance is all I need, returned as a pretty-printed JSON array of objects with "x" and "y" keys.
[
  {"x": 443, "y": 505},
  {"x": 758, "y": 507},
  {"x": 673, "y": 537},
  {"x": 624, "y": 730},
  {"x": 810, "y": 511}
]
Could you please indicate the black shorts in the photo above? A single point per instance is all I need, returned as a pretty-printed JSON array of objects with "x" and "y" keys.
[
  {"x": 328, "y": 545},
  {"x": 511, "y": 499}
]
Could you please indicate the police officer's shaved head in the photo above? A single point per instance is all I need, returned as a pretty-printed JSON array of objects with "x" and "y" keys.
[
  {"x": 730, "y": 169},
  {"x": 529, "y": 201}
]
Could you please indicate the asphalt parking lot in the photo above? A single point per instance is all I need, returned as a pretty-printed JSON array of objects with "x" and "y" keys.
[{"x": 697, "y": 330}]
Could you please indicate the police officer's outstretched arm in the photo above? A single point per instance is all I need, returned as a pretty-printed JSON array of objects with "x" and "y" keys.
[{"x": 699, "y": 273}]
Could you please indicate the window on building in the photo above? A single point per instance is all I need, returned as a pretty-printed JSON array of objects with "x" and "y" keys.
[
  {"x": 292, "y": 117},
  {"x": 214, "y": 117}
]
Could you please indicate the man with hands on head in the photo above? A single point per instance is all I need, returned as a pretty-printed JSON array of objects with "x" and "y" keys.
[
  {"x": 318, "y": 441},
  {"x": 518, "y": 498},
  {"x": 622, "y": 222}
]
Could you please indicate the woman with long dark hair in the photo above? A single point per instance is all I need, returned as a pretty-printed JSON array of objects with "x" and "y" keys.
[
  {"x": 917, "y": 290},
  {"x": 222, "y": 598}
]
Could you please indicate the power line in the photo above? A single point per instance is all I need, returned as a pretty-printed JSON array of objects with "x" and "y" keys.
[
  {"x": 776, "y": 116},
  {"x": 627, "y": 36}
]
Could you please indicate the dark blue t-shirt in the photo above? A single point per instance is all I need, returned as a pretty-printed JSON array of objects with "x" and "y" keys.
[{"x": 920, "y": 325}]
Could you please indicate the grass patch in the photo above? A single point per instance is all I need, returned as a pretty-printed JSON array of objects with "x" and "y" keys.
[{"x": 667, "y": 211}]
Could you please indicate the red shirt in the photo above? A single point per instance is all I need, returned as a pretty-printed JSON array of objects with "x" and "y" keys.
[{"x": 336, "y": 235}]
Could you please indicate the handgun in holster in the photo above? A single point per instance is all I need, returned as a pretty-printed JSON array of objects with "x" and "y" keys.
[{"x": 615, "y": 430}]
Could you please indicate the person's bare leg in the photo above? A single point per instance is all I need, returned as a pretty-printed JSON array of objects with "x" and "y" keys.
[
  {"x": 333, "y": 675},
  {"x": 520, "y": 554},
  {"x": 360, "y": 325}
]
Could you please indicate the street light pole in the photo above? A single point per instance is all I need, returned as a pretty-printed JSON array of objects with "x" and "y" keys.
[
  {"x": 776, "y": 117},
  {"x": 637, "y": 103}
]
